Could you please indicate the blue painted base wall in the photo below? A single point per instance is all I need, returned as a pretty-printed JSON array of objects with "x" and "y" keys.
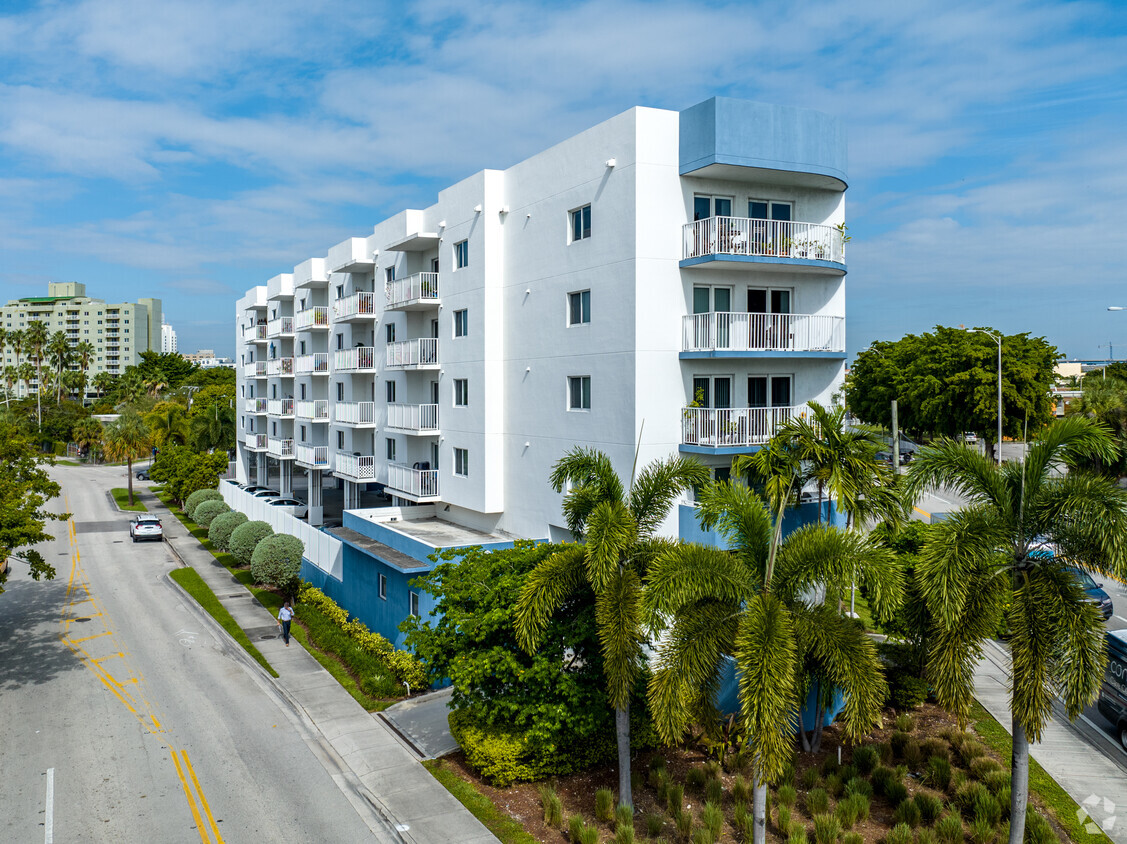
[{"x": 690, "y": 530}]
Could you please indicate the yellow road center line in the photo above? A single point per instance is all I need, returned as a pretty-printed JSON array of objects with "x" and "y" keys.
[
  {"x": 203, "y": 800},
  {"x": 191, "y": 800}
]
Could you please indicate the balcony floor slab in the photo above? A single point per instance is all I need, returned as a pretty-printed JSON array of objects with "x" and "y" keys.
[
  {"x": 759, "y": 353},
  {"x": 724, "y": 262}
]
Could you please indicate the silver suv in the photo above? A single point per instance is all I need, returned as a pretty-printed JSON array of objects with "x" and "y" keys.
[{"x": 146, "y": 527}]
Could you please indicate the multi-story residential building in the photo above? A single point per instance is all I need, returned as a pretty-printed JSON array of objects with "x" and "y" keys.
[
  {"x": 168, "y": 340},
  {"x": 663, "y": 282},
  {"x": 118, "y": 332}
]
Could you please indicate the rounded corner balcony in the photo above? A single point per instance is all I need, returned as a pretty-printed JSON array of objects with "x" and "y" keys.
[
  {"x": 724, "y": 334},
  {"x": 802, "y": 247}
]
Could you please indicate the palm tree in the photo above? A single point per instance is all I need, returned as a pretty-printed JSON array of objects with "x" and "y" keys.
[
  {"x": 4, "y": 334},
  {"x": 1024, "y": 525},
  {"x": 103, "y": 382},
  {"x": 35, "y": 339},
  {"x": 26, "y": 372},
  {"x": 156, "y": 385},
  {"x": 11, "y": 376},
  {"x": 615, "y": 526},
  {"x": 85, "y": 353},
  {"x": 16, "y": 341},
  {"x": 125, "y": 439},
  {"x": 168, "y": 424},
  {"x": 213, "y": 428},
  {"x": 88, "y": 433},
  {"x": 58, "y": 353},
  {"x": 749, "y": 603}
]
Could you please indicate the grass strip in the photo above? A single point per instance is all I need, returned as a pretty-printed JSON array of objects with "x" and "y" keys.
[
  {"x": 121, "y": 496},
  {"x": 1054, "y": 798},
  {"x": 194, "y": 585},
  {"x": 482, "y": 808}
]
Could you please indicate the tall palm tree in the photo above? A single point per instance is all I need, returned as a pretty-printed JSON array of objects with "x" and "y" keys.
[
  {"x": 84, "y": 351},
  {"x": 4, "y": 334},
  {"x": 1024, "y": 525},
  {"x": 615, "y": 526},
  {"x": 58, "y": 353},
  {"x": 213, "y": 428},
  {"x": 168, "y": 424},
  {"x": 16, "y": 341},
  {"x": 11, "y": 376},
  {"x": 127, "y": 438},
  {"x": 26, "y": 372},
  {"x": 103, "y": 382},
  {"x": 88, "y": 434},
  {"x": 35, "y": 340},
  {"x": 749, "y": 604}
]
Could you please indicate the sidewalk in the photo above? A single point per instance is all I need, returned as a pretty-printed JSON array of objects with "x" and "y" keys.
[
  {"x": 1079, "y": 767},
  {"x": 373, "y": 767}
]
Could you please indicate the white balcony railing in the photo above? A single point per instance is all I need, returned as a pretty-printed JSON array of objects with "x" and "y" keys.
[
  {"x": 358, "y": 467},
  {"x": 255, "y": 369},
  {"x": 280, "y": 327},
  {"x": 355, "y": 412},
  {"x": 417, "y": 483},
  {"x": 418, "y": 418},
  {"x": 258, "y": 334},
  {"x": 316, "y": 456},
  {"x": 280, "y": 448},
  {"x": 417, "y": 353},
  {"x": 315, "y": 409},
  {"x": 733, "y": 427},
  {"x": 741, "y": 332},
  {"x": 256, "y": 442},
  {"x": 420, "y": 289},
  {"x": 279, "y": 407},
  {"x": 763, "y": 238},
  {"x": 315, "y": 364},
  {"x": 315, "y": 317},
  {"x": 360, "y": 359},
  {"x": 357, "y": 305},
  {"x": 256, "y": 405},
  {"x": 282, "y": 367}
]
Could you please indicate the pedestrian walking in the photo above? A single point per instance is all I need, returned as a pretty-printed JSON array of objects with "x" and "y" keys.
[{"x": 285, "y": 616}]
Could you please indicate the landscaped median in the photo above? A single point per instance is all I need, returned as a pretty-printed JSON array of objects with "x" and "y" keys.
[{"x": 121, "y": 496}]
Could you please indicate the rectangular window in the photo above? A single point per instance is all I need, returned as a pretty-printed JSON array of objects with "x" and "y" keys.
[
  {"x": 579, "y": 392},
  {"x": 461, "y": 392},
  {"x": 340, "y": 440},
  {"x": 389, "y": 274},
  {"x": 461, "y": 323},
  {"x": 581, "y": 223},
  {"x": 340, "y": 391},
  {"x": 389, "y": 387},
  {"x": 383, "y": 586},
  {"x": 390, "y": 449},
  {"x": 461, "y": 462},
  {"x": 389, "y": 331},
  {"x": 461, "y": 254},
  {"x": 414, "y": 603},
  {"x": 579, "y": 308},
  {"x": 303, "y": 433}
]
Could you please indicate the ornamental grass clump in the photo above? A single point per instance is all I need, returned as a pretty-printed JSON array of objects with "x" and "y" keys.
[
  {"x": 898, "y": 741},
  {"x": 907, "y": 812},
  {"x": 784, "y": 819},
  {"x": 588, "y": 834},
  {"x": 552, "y": 805},
  {"x": 817, "y": 801},
  {"x": 604, "y": 805},
  {"x": 996, "y": 781},
  {"x": 866, "y": 758},
  {"x": 899, "y": 834},
  {"x": 695, "y": 778},
  {"x": 741, "y": 790},
  {"x": 852, "y": 838},
  {"x": 624, "y": 834},
  {"x": 1037, "y": 829},
  {"x": 913, "y": 755},
  {"x": 810, "y": 778},
  {"x": 881, "y": 778},
  {"x": 858, "y": 785},
  {"x": 575, "y": 824},
  {"x": 714, "y": 792},
  {"x": 896, "y": 792},
  {"x": 676, "y": 800},
  {"x": 826, "y": 829},
  {"x": 982, "y": 831},
  {"x": 930, "y": 806},
  {"x": 786, "y": 795},
  {"x": 852, "y": 810},
  {"x": 905, "y": 723},
  {"x": 684, "y": 823},
  {"x": 938, "y": 773},
  {"x": 624, "y": 815},
  {"x": 713, "y": 819},
  {"x": 935, "y": 747},
  {"x": 983, "y": 765},
  {"x": 797, "y": 835},
  {"x": 949, "y": 829},
  {"x": 654, "y": 825}
]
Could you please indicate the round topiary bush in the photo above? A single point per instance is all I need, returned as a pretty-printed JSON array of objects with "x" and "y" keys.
[
  {"x": 277, "y": 561},
  {"x": 221, "y": 527},
  {"x": 208, "y": 510},
  {"x": 245, "y": 537},
  {"x": 199, "y": 497}
]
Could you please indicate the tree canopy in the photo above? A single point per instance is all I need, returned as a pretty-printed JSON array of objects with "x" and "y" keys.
[{"x": 25, "y": 490}]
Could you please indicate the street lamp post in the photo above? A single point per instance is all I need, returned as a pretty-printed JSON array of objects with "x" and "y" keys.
[{"x": 997, "y": 338}]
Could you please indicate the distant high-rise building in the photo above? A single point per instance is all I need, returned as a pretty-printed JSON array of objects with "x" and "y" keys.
[{"x": 167, "y": 339}]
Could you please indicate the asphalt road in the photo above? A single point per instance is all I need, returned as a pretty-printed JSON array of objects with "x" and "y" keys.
[{"x": 125, "y": 720}]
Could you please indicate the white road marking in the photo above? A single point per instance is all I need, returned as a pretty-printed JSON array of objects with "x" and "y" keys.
[
  {"x": 187, "y": 637},
  {"x": 1121, "y": 618},
  {"x": 49, "y": 820}
]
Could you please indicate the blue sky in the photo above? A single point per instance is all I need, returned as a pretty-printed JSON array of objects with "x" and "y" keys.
[{"x": 189, "y": 150}]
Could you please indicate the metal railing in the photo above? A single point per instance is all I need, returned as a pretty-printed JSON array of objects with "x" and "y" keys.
[
  {"x": 279, "y": 407},
  {"x": 279, "y": 366},
  {"x": 280, "y": 448},
  {"x": 358, "y": 304},
  {"x": 255, "y": 369},
  {"x": 417, "y": 288},
  {"x": 421, "y": 352},
  {"x": 280, "y": 327},
  {"x": 315, "y": 409},
  {"x": 256, "y": 442},
  {"x": 355, "y": 466},
  {"x": 259, "y": 333},
  {"x": 355, "y": 412},
  {"x": 316, "y": 456},
  {"x": 314, "y": 364},
  {"x": 763, "y": 238},
  {"x": 413, "y": 417},
  {"x": 256, "y": 405},
  {"x": 421, "y": 483},
  {"x": 730, "y": 331},
  {"x": 354, "y": 360},
  {"x": 733, "y": 426},
  {"x": 315, "y": 317}
]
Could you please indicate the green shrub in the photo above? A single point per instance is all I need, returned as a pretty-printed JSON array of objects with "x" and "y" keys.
[
  {"x": 624, "y": 815},
  {"x": 905, "y": 723},
  {"x": 1037, "y": 829},
  {"x": 245, "y": 538},
  {"x": 906, "y": 691},
  {"x": 654, "y": 824},
  {"x": 852, "y": 838},
  {"x": 741, "y": 790},
  {"x": 899, "y": 834},
  {"x": 588, "y": 834},
  {"x": 784, "y": 820},
  {"x": 604, "y": 805},
  {"x": 501, "y": 756},
  {"x": 882, "y": 777},
  {"x": 949, "y": 829},
  {"x": 276, "y": 561},
  {"x": 695, "y": 778},
  {"x": 676, "y": 800},
  {"x": 907, "y": 812},
  {"x": 713, "y": 819},
  {"x": 199, "y": 497},
  {"x": 219, "y": 534},
  {"x": 857, "y": 785},
  {"x": 575, "y": 824},
  {"x": 817, "y": 801},
  {"x": 826, "y": 829},
  {"x": 552, "y": 806},
  {"x": 938, "y": 773},
  {"x": 866, "y": 758},
  {"x": 930, "y": 806},
  {"x": 810, "y": 778},
  {"x": 683, "y": 820},
  {"x": 896, "y": 792},
  {"x": 797, "y": 835},
  {"x": 982, "y": 766},
  {"x": 786, "y": 795},
  {"x": 206, "y": 511},
  {"x": 624, "y": 834},
  {"x": 898, "y": 740},
  {"x": 982, "y": 831},
  {"x": 714, "y": 792}
]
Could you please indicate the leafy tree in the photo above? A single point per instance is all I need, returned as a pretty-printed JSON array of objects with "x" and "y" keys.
[
  {"x": 59, "y": 420},
  {"x": 616, "y": 527},
  {"x": 25, "y": 490},
  {"x": 168, "y": 369},
  {"x": 88, "y": 434},
  {"x": 215, "y": 376},
  {"x": 1028, "y": 523},
  {"x": 127, "y": 438},
  {"x": 1105, "y": 401},
  {"x": 946, "y": 382},
  {"x": 183, "y": 471},
  {"x": 276, "y": 561}
]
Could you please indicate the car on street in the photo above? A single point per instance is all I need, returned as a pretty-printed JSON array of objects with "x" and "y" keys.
[
  {"x": 1112, "y": 702},
  {"x": 143, "y": 475},
  {"x": 289, "y": 505},
  {"x": 1094, "y": 591},
  {"x": 145, "y": 527},
  {"x": 970, "y": 437}
]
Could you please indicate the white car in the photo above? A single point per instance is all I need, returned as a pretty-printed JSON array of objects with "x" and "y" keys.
[
  {"x": 263, "y": 492},
  {"x": 289, "y": 505},
  {"x": 146, "y": 527}
]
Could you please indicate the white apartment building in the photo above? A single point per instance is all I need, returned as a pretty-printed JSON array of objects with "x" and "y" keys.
[
  {"x": 119, "y": 332},
  {"x": 671, "y": 282},
  {"x": 168, "y": 340}
]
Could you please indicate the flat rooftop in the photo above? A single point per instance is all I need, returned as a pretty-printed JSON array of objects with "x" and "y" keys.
[{"x": 441, "y": 534}]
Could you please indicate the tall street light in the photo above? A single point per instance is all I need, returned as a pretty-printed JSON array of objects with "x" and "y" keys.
[{"x": 997, "y": 338}]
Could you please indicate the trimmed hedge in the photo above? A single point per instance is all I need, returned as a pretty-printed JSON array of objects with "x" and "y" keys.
[
  {"x": 208, "y": 510},
  {"x": 199, "y": 497},
  {"x": 219, "y": 534},
  {"x": 276, "y": 561},
  {"x": 245, "y": 537}
]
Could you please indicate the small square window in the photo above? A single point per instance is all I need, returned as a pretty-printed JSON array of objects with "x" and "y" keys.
[
  {"x": 461, "y": 392},
  {"x": 383, "y": 586},
  {"x": 461, "y": 254},
  {"x": 579, "y": 392},
  {"x": 390, "y": 449},
  {"x": 461, "y": 462},
  {"x": 461, "y": 323},
  {"x": 414, "y": 600},
  {"x": 389, "y": 331},
  {"x": 389, "y": 388},
  {"x": 580, "y": 223},
  {"x": 579, "y": 307}
]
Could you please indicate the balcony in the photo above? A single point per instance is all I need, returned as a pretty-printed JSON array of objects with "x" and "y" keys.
[
  {"x": 358, "y": 306},
  {"x": 280, "y": 407},
  {"x": 257, "y": 406},
  {"x": 743, "y": 240},
  {"x": 359, "y": 414},
  {"x": 255, "y": 369},
  {"x": 355, "y": 467},
  {"x": 315, "y": 364},
  {"x": 731, "y": 430},
  {"x": 351, "y": 256},
  {"x": 316, "y": 410},
  {"x": 313, "y": 456},
  {"x": 360, "y": 359},
  {"x": 256, "y": 442},
  {"x": 258, "y": 334},
  {"x": 280, "y": 367},
  {"x": 414, "y": 293},
  {"x": 413, "y": 418},
  {"x": 282, "y": 449},
  {"x": 280, "y": 327},
  {"x": 733, "y": 334},
  {"x": 312, "y": 318},
  {"x": 413, "y": 354},
  {"x": 413, "y": 484}
]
